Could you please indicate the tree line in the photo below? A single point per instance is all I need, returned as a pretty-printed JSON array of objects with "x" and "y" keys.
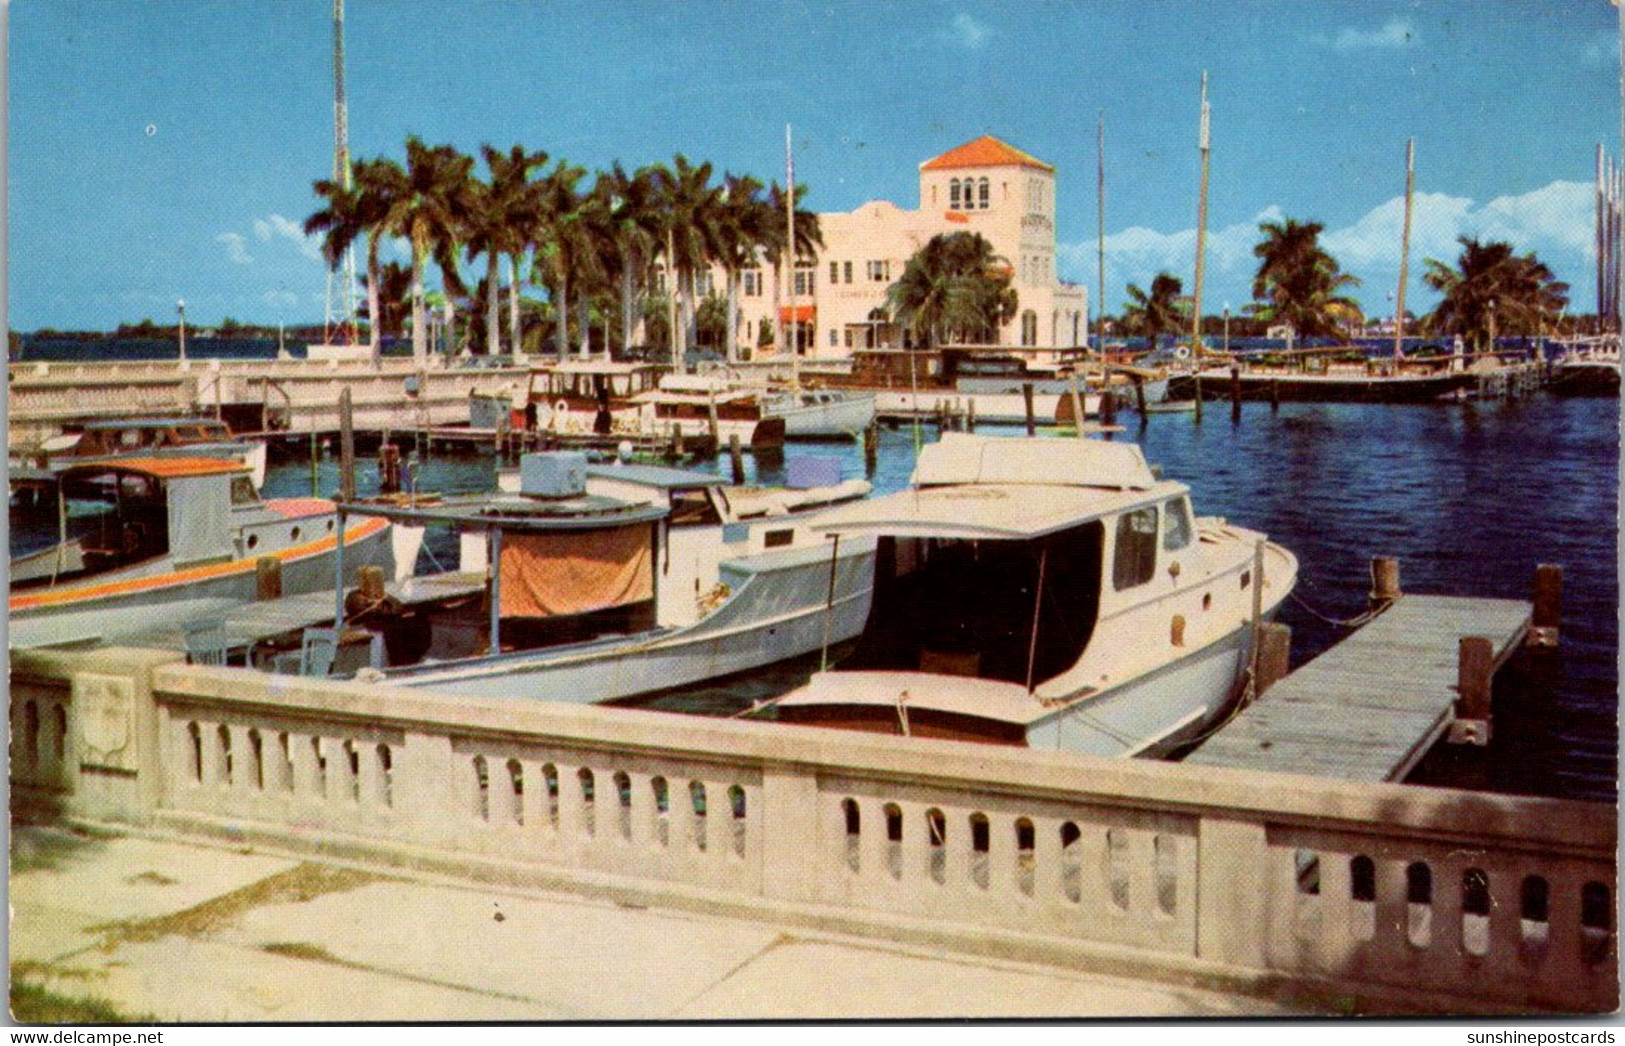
[
  {"x": 1488, "y": 291},
  {"x": 547, "y": 223}
]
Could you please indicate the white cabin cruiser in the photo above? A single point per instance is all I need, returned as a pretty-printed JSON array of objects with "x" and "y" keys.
[{"x": 1050, "y": 593}]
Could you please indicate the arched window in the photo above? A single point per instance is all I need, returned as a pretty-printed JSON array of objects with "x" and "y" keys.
[
  {"x": 953, "y": 195},
  {"x": 1029, "y": 328},
  {"x": 981, "y": 194}
]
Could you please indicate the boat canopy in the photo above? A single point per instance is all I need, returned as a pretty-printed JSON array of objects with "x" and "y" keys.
[
  {"x": 960, "y": 458},
  {"x": 657, "y": 476},
  {"x": 984, "y": 512},
  {"x": 165, "y": 467}
]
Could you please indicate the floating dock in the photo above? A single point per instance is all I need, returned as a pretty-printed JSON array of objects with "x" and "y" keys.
[{"x": 1369, "y": 708}]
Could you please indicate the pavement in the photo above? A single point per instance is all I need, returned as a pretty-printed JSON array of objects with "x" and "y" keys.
[{"x": 183, "y": 931}]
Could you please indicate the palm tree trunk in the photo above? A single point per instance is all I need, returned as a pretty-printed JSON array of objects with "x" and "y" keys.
[
  {"x": 493, "y": 307},
  {"x": 449, "y": 311},
  {"x": 375, "y": 317},
  {"x": 420, "y": 315},
  {"x": 732, "y": 346},
  {"x": 586, "y": 326},
  {"x": 513, "y": 307},
  {"x": 686, "y": 303},
  {"x": 561, "y": 317},
  {"x": 626, "y": 303}
]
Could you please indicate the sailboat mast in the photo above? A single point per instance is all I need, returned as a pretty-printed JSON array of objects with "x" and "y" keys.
[
  {"x": 1405, "y": 249},
  {"x": 1602, "y": 264},
  {"x": 1201, "y": 235},
  {"x": 790, "y": 250},
  {"x": 1100, "y": 209}
]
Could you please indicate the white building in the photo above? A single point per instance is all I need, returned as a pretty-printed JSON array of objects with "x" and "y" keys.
[{"x": 984, "y": 186}]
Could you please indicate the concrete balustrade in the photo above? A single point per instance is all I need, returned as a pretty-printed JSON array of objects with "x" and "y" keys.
[{"x": 1395, "y": 896}]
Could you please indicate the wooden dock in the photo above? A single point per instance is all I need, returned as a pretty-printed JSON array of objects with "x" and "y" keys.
[{"x": 1369, "y": 708}]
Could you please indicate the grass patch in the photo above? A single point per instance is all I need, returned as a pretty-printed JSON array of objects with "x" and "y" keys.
[
  {"x": 303, "y": 882},
  {"x": 36, "y": 1004}
]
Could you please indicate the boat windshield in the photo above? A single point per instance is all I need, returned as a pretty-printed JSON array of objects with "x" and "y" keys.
[{"x": 965, "y": 607}]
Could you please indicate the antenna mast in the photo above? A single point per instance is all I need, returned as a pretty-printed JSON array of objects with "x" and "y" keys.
[
  {"x": 790, "y": 232},
  {"x": 1100, "y": 207},
  {"x": 342, "y": 175}
]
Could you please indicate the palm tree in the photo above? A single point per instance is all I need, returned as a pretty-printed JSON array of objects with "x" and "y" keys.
[
  {"x": 746, "y": 225},
  {"x": 953, "y": 288},
  {"x": 809, "y": 241},
  {"x": 1298, "y": 282},
  {"x": 1163, "y": 310},
  {"x": 1491, "y": 286},
  {"x": 391, "y": 294},
  {"x": 425, "y": 204},
  {"x": 690, "y": 207},
  {"x": 632, "y": 230},
  {"x": 557, "y": 235},
  {"x": 498, "y": 211}
]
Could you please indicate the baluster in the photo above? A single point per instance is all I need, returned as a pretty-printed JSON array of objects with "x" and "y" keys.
[
  {"x": 1047, "y": 888},
  {"x": 1094, "y": 880},
  {"x": 1142, "y": 885},
  {"x": 1001, "y": 858},
  {"x": 916, "y": 849},
  {"x": 873, "y": 848},
  {"x": 643, "y": 814}
]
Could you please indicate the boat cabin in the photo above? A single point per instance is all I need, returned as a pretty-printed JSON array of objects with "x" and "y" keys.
[
  {"x": 113, "y": 516},
  {"x": 130, "y": 435}
]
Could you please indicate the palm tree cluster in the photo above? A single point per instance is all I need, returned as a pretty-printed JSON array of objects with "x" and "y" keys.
[
  {"x": 955, "y": 288},
  {"x": 585, "y": 242},
  {"x": 1299, "y": 284},
  {"x": 1165, "y": 310},
  {"x": 1492, "y": 289}
]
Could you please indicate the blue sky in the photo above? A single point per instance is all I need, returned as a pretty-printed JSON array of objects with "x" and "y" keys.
[{"x": 166, "y": 150}]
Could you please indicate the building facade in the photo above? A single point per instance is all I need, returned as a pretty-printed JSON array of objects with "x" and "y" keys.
[{"x": 838, "y": 304}]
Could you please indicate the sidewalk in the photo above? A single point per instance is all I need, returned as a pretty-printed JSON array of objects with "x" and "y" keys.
[{"x": 187, "y": 932}]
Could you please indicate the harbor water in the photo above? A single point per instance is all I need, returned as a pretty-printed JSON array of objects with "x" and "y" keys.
[{"x": 1470, "y": 498}]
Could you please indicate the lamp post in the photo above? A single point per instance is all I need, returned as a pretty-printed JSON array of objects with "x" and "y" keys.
[{"x": 180, "y": 306}]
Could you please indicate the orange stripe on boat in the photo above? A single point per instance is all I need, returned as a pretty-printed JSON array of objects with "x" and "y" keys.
[
  {"x": 170, "y": 468},
  {"x": 359, "y": 532}
]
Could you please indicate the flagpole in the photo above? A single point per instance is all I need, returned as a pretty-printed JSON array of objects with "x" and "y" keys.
[
  {"x": 1100, "y": 207},
  {"x": 790, "y": 235},
  {"x": 1201, "y": 254}
]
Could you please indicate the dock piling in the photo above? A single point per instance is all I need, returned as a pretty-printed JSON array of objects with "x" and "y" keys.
[
  {"x": 871, "y": 447},
  {"x": 1235, "y": 393},
  {"x": 1384, "y": 580},
  {"x": 736, "y": 458},
  {"x": 389, "y": 468},
  {"x": 1027, "y": 400},
  {"x": 1275, "y": 395},
  {"x": 1274, "y": 655},
  {"x": 346, "y": 446},
  {"x": 1108, "y": 410},
  {"x": 268, "y": 578},
  {"x": 970, "y": 414},
  {"x": 1475, "y": 668},
  {"x": 1547, "y": 618}
]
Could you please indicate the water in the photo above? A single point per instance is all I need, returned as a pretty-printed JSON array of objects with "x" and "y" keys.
[{"x": 1469, "y": 497}]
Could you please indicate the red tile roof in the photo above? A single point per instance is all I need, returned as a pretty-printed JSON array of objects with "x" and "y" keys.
[{"x": 986, "y": 151}]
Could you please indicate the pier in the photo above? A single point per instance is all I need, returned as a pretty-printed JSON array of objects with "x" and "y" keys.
[{"x": 1369, "y": 708}]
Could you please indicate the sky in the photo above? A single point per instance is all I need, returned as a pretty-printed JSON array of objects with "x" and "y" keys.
[{"x": 160, "y": 151}]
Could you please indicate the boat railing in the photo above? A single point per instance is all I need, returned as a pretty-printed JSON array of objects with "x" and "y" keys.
[{"x": 1400, "y": 896}]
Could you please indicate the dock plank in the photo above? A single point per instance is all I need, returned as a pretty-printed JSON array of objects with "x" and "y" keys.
[{"x": 1366, "y": 709}]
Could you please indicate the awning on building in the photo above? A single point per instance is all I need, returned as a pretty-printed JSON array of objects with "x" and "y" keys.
[{"x": 797, "y": 314}]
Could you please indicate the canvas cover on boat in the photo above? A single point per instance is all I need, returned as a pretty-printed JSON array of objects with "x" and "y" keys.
[
  {"x": 575, "y": 571},
  {"x": 960, "y": 458},
  {"x": 200, "y": 517}
]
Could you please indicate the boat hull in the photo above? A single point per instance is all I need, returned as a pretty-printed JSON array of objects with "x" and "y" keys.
[
  {"x": 845, "y": 418},
  {"x": 1586, "y": 379},
  {"x": 1310, "y": 388},
  {"x": 777, "y": 612},
  {"x": 103, "y": 610}
]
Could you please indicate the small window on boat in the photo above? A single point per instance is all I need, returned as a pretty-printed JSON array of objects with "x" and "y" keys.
[
  {"x": 778, "y": 538},
  {"x": 692, "y": 508},
  {"x": 242, "y": 491},
  {"x": 1176, "y": 524},
  {"x": 1136, "y": 556}
]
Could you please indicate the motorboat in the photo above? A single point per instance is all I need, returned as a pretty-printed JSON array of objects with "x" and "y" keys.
[
  {"x": 1588, "y": 370},
  {"x": 1050, "y": 593},
  {"x": 108, "y": 439},
  {"x": 813, "y": 413},
  {"x": 663, "y": 581},
  {"x": 180, "y": 537}
]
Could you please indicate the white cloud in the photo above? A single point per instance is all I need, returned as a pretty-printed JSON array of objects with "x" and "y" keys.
[
  {"x": 281, "y": 299},
  {"x": 1555, "y": 221},
  {"x": 1396, "y": 32},
  {"x": 967, "y": 31},
  {"x": 235, "y": 248},
  {"x": 275, "y": 226}
]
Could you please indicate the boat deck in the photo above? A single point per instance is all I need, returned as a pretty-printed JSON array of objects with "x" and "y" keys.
[
  {"x": 250, "y": 623},
  {"x": 1369, "y": 708}
]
